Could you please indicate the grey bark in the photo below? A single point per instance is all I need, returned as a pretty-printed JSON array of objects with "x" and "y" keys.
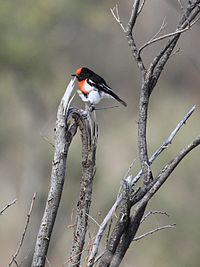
[
  {"x": 89, "y": 142},
  {"x": 63, "y": 138},
  {"x": 64, "y": 132},
  {"x": 139, "y": 199}
]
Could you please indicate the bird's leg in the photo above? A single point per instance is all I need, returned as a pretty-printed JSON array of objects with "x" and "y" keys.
[{"x": 91, "y": 107}]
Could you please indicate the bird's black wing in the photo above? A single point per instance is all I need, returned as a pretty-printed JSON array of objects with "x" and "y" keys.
[{"x": 98, "y": 82}]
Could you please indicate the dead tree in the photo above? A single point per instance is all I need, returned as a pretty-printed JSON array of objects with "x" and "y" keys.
[
  {"x": 131, "y": 201},
  {"x": 68, "y": 121}
]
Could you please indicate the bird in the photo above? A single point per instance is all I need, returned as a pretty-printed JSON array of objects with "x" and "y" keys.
[{"x": 93, "y": 88}]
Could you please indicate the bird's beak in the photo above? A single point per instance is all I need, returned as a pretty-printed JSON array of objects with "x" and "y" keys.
[{"x": 74, "y": 75}]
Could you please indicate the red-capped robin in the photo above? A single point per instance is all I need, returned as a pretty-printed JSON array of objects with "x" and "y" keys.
[{"x": 93, "y": 88}]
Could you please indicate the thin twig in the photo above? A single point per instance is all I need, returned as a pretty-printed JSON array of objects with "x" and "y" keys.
[
  {"x": 89, "y": 216},
  {"x": 162, "y": 27},
  {"x": 48, "y": 262},
  {"x": 166, "y": 171},
  {"x": 15, "y": 261},
  {"x": 24, "y": 232},
  {"x": 175, "y": 52},
  {"x": 181, "y": 6},
  {"x": 153, "y": 40},
  {"x": 115, "y": 13},
  {"x": 129, "y": 169},
  {"x": 162, "y": 57},
  {"x": 99, "y": 257},
  {"x": 134, "y": 180},
  {"x": 180, "y": 124},
  {"x": 8, "y": 205},
  {"x": 153, "y": 213},
  {"x": 154, "y": 231},
  {"x": 141, "y": 7},
  {"x": 166, "y": 143}
]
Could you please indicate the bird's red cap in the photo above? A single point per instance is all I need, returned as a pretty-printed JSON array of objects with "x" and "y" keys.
[{"x": 78, "y": 71}]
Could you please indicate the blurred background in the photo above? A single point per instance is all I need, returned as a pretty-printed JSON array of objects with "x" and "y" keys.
[{"x": 42, "y": 43}]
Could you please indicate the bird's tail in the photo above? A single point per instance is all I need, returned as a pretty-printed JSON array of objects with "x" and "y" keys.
[
  {"x": 122, "y": 102},
  {"x": 116, "y": 97},
  {"x": 107, "y": 90}
]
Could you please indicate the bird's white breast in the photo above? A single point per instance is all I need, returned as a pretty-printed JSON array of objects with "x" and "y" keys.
[{"x": 94, "y": 97}]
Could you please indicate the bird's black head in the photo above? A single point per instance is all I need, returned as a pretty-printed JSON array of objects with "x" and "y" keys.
[{"x": 83, "y": 73}]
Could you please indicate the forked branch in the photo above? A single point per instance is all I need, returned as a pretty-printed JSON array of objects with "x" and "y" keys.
[
  {"x": 63, "y": 138},
  {"x": 154, "y": 231},
  {"x": 133, "y": 181},
  {"x": 124, "y": 232},
  {"x": 89, "y": 143},
  {"x": 68, "y": 120}
]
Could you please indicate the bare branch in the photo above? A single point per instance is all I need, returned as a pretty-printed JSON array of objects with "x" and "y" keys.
[
  {"x": 153, "y": 213},
  {"x": 89, "y": 216},
  {"x": 119, "y": 229},
  {"x": 129, "y": 169},
  {"x": 133, "y": 17},
  {"x": 146, "y": 90},
  {"x": 99, "y": 257},
  {"x": 175, "y": 52},
  {"x": 166, "y": 143},
  {"x": 130, "y": 38},
  {"x": 48, "y": 262},
  {"x": 24, "y": 232},
  {"x": 141, "y": 7},
  {"x": 101, "y": 231},
  {"x": 136, "y": 9},
  {"x": 63, "y": 138},
  {"x": 154, "y": 40},
  {"x": 154, "y": 231},
  {"x": 123, "y": 233},
  {"x": 146, "y": 192},
  {"x": 162, "y": 57},
  {"x": 181, "y": 6},
  {"x": 166, "y": 171},
  {"x": 162, "y": 27},
  {"x": 89, "y": 143},
  {"x": 15, "y": 261},
  {"x": 127, "y": 237},
  {"x": 178, "y": 127},
  {"x": 133, "y": 182},
  {"x": 115, "y": 13},
  {"x": 8, "y": 205}
]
